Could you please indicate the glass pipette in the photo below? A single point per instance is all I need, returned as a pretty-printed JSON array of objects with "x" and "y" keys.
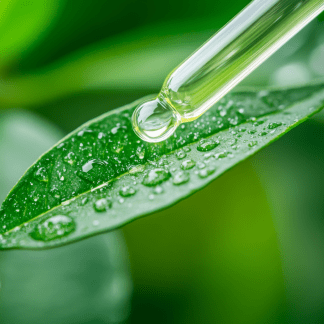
[{"x": 221, "y": 63}]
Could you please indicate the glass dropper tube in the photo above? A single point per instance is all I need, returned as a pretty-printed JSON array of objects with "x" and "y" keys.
[{"x": 221, "y": 63}]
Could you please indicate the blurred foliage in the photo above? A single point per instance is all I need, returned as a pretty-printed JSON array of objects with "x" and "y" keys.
[
  {"x": 73, "y": 61},
  {"x": 292, "y": 172}
]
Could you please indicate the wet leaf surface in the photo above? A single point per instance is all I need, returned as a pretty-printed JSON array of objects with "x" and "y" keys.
[{"x": 102, "y": 176}]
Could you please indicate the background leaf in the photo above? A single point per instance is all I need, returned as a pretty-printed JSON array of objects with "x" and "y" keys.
[{"x": 101, "y": 176}]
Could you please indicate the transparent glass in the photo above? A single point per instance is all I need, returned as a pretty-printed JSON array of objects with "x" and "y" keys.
[{"x": 221, "y": 63}]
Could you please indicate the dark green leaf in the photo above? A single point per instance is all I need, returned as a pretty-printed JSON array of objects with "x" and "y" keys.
[{"x": 102, "y": 176}]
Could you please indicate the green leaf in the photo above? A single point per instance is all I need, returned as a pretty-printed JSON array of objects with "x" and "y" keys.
[{"x": 102, "y": 176}]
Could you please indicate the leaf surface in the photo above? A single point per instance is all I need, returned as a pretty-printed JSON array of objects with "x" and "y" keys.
[{"x": 102, "y": 176}]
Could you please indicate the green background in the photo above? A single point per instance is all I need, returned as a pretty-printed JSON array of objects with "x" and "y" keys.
[{"x": 249, "y": 248}]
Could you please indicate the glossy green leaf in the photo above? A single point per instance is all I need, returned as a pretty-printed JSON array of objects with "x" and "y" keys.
[{"x": 102, "y": 176}]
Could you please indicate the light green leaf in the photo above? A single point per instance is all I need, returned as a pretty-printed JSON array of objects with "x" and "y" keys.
[{"x": 102, "y": 176}]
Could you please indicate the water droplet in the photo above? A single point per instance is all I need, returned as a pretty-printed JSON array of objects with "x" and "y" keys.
[
  {"x": 140, "y": 152},
  {"x": 204, "y": 173},
  {"x": 187, "y": 149},
  {"x": 88, "y": 166},
  {"x": 181, "y": 177},
  {"x": 95, "y": 222},
  {"x": 137, "y": 169},
  {"x": 114, "y": 130},
  {"x": 84, "y": 201},
  {"x": 221, "y": 155},
  {"x": 201, "y": 165},
  {"x": 274, "y": 125},
  {"x": 252, "y": 143},
  {"x": 102, "y": 205},
  {"x": 158, "y": 189},
  {"x": 180, "y": 154},
  {"x": 187, "y": 164},
  {"x": 70, "y": 158},
  {"x": 263, "y": 133},
  {"x": 207, "y": 145},
  {"x": 259, "y": 122},
  {"x": 252, "y": 131},
  {"x": 53, "y": 228},
  {"x": 41, "y": 174},
  {"x": 127, "y": 191},
  {"x": 155, "y": 177}
]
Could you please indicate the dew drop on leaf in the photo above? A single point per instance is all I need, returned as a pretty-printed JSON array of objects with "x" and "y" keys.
[
  {"x": 204, "y": 173},
  {"x": 140, "y": 152},
  {"x": 259, "y": 122},
  {"x": 274, "y": 125},
  {"x": 70, "y": 158},
  {"x": 88, "y": 166},
  {"x": 158, "y": 190},
  {"x": 252, "y": 143},
  {"x": 127, "y": 191},
  {"x": 188, "y": 164},
  {"x": 41, "y": 175},
  {"x": 155, "y": 177},
  {"x": 181, "y": 154},
  {"x": 102, "y": 205},
  {"x": 95, "y": 222},
  {"x": 207, "y": 145},
  {"x": 84, "y": 201},
  {"x": 181, "y": 177},
  {"x": 53, "y": 228},
  {"x": 201, "y": 165}
]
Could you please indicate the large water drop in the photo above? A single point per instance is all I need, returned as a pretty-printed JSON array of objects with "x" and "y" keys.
[{"x": 53, "y": 228}]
